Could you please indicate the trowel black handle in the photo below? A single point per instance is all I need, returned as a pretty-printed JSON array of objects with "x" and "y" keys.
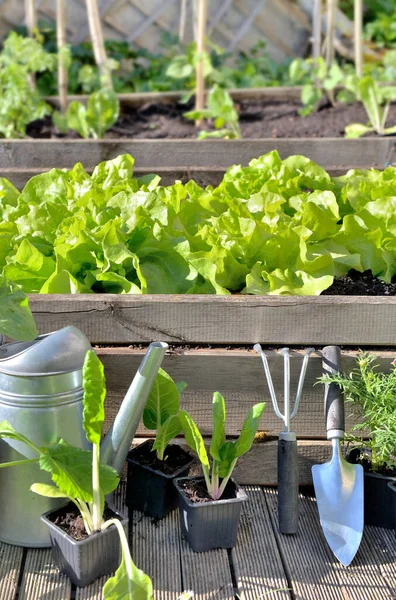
[
  {"x": 288, "y": 501},
  {"x": 334, "y": 400}
]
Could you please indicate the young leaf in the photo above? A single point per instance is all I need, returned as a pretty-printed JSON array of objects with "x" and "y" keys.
[
  {"x": 168, "y": 430},
  {"x": 194, "y": 438},
  {"x": 94, "y": 384},
  {"x": 356, "y": 130},
  {"x": 219, "y": 417},
  {"x": 163, "y": 401},
  {"x": 249, "y": 429},
  {"x": 102, "y": 111},
  {"x": 49, "y": 491}
]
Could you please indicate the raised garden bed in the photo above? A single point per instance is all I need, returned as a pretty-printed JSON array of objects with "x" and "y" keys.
[{"x": 206, "y": 333}]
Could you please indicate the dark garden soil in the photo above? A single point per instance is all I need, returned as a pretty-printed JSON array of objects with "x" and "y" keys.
[
  {"x": 360, "y": 284},
  {"x": 195, "y": 490},
  {"x": 69, "y": 519},
  {"x": 175, "y": 458},
  {"x": 362, "y": 456},
  {"x": 263, "y": 119}
]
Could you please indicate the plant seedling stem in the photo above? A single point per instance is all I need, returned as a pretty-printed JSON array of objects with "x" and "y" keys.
[
  {"x": 61, "y": 42},
  {"x": 201, "y": 30},
  {"x": 358, "y": 36},
  {"x": 96, "y": 32}
]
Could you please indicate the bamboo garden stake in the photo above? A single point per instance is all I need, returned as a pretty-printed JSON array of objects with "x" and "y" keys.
[
  {"x": 332, "y": 6},
  {"x": 62, "y": 57},
  {"x": 316, "y": 29},
  {"x": 96, "y": 32},
  {"x": 200, "y": 79},
  {"x": 31, "y": 25},
  {"x": 358, "y": 36}
]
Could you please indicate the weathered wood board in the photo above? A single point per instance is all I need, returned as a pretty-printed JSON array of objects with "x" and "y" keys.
[
  {"x": 327, "y": 152},
  {"x": 238, "y": 319}
]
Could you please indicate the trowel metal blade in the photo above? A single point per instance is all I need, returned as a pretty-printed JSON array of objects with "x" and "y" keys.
[{"x": 339, "y": 495}]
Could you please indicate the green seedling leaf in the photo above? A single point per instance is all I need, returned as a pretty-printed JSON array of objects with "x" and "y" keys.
[
  {"x": 219, "y": 417},
  {"x": 249, "y": 429},
  {"x": 102, "y": 111},
  {"x": 49, "y": 491},
  {"x": 94, "y": 385},
  {"x": 356, "y": 130},
  {"x": 16, "y": 319},
  {"x": 163, "y": 401},
  {"x": 165, "y": 434},
  {"x": 194, "y": 438}
]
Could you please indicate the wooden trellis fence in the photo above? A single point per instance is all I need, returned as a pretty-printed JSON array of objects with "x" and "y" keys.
[{"x": 232, "y": 23}]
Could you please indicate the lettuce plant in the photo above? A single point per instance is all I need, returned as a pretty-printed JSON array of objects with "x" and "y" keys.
[
  {"x": 93, "y": 120},
  {"x": 376, "y": 100},
  {"x": 16, "y": 319},
  {"x": 224, "y": 453},
  {"x": 161, "y": 412}
]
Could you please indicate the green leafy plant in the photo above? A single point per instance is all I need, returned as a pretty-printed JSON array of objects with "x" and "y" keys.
[
  {"x": 20, "y": 104},
  {"x": 161, "y": 412},
  {"x": 224, "y": 453},
  {"x": 93, "y": 120},
  {"x": 382, "y": 30},
  {"x": 16, "y": 319},
  {"x": 316, "y": 79},
  {"x": 374, "y": 395},
  {"x": 376, "y": 100},
  {"x": 221, "y": 110}
]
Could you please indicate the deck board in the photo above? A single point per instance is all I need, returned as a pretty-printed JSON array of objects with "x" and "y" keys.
[
  {"x": 256, "y": 559},
  {"x": 10, "y": 565},
  {"x": 41, "y": 580}
]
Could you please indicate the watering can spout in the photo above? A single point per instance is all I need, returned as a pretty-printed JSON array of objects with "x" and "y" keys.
[{"x": 117, "y": 442}]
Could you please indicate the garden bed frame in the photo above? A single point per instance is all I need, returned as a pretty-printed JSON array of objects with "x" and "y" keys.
[{"x": 211, "y": 341}]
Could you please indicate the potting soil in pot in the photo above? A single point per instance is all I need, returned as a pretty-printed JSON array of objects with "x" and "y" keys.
[
  {"x": 196, "y": 491},
  {"x": 69, "y": 519}
]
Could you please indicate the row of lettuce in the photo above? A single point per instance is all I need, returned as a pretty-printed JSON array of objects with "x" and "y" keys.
[{"x": 273, "y": 227}]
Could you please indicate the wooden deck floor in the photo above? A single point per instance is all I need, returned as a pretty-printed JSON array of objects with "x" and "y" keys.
[{"x": 264, "y": 565}]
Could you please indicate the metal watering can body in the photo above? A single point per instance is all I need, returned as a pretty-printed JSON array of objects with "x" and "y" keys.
[{"x": 41, "y": 396}]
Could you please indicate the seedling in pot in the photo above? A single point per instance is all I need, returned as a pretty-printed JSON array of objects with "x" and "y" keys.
[{"x": 225, "y": 453}]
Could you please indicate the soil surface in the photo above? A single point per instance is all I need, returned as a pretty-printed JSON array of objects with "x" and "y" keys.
[
  {"x": 175, "y": 458},
  {"x": 196, "y": 492},
  {"x": 258, "y": 119},
  {"x": 362, "y": 456},
  {"x": 360, "y": 284},
  {"x": 70, "y": 520}
]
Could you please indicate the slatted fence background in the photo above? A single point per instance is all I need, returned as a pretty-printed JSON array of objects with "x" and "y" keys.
[{"x": 232, "y": 23}]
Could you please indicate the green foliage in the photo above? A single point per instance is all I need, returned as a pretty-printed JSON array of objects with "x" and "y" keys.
[
  {"x": 94, "y": 385},
  {"x": 95, "y": 119},
  {"x": 221, "y": 110},
  {"x": 161, "y": 412},
  {"x": 272, "y": 227},
  {"x": 374, "y": 395},
  {"x": 20, "y": 104},
  {"x": 224, "y": 453},
  {"x": 16, "y": 320},
  {"x": 382, "y": 30},
  {"x": 376, "y": 100}
]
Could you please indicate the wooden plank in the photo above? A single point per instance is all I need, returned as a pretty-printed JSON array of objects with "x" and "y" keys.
[
  {"x": 383, "y": 545},
  {"x": 93, "y": 591},
  {"x": 256, "y": 559},
  {"x": 334, "y": 152},
  {"x": 207, "y": 574},
  {"x": 10, "y": 565},
  {"x": 155, "y": 550},
  {"x": 314, "y": 572},
  {"x": 41, "y": 579},
  {"x": 238, "y": 319}
]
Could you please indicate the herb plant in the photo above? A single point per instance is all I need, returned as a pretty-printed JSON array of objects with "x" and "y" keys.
[
  {"x": 221, "y": 110},
  {"x": 224, "y": 453},
  {"x": 93, "y": 120},
  {"x": 376, "y": 100},
  {"x": 161, "y": 412},
  {"x": 374, "y": 395}
]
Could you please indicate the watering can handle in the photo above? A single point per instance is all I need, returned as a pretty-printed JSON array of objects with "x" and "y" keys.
[{"x": 334, "y": 401}]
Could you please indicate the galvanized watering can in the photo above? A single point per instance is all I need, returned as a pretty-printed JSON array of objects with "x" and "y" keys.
[{"x": 41, "y": 396}]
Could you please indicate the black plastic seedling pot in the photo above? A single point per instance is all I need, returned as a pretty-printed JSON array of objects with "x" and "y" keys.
[
  {"x": 213, "y": 524},
  {"x": 86, "y": 560},
  {"x": 152, "y": 491},
  {"x": 392, "y": 487},
  {"x": 379, "y": 501}
]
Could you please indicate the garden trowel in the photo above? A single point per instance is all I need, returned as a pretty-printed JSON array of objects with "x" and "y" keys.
[{"x": 338, "y": 484}]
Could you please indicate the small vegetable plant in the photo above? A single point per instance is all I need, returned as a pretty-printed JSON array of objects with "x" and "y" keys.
[
  {"x": 376, "y": 100},
  {"x": 93, "y": 120},
  {"x": 221, "y": 110},
  {"x": 224, "y": 453},
  {"x": 161, "y": 412},
  {"x": 374, "y": 395},
  {"x": 16, "y": 319},
  {"x": 79, "y": 477}
]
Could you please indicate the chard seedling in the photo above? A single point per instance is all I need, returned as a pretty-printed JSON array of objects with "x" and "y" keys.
[
  {"x": 376, "y": 100},
  {"x": 224, "y": 453},
  {"x": 317, "y": 79},
  {"x": 161, "y": 412},
  {"x": 221, "y": 110}
]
